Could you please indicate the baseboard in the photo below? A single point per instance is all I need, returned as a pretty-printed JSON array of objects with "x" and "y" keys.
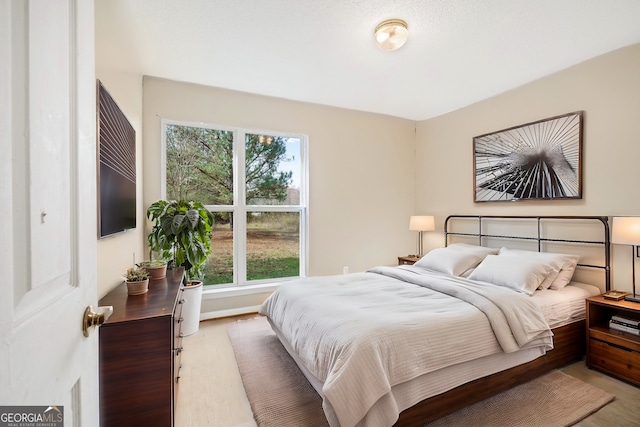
[{"x": 229, "y": 313}]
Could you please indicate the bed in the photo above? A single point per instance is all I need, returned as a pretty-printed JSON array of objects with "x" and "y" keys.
[{"x": 501, "y": 303}]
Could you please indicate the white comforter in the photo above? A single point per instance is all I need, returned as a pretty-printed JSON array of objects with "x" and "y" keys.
[{"x": 363, "y": 333}]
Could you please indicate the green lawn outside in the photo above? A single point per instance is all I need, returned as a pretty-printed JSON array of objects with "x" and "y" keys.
[{"x": 272, "y": 252}]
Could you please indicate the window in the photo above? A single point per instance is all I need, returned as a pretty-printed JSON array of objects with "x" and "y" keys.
[{"x": 260, "y": 225}]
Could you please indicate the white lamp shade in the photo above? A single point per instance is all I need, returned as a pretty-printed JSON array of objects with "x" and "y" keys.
[
  {"x": 626, "y": 230},
  {"x": 422, "y": 223}
]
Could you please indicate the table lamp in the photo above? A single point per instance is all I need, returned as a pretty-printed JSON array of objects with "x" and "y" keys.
[
  {"x": 626, "y": 231},
  {"x": 421, "y": 223}
]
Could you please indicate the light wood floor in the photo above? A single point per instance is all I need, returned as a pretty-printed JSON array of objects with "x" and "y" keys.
[{"x": 211, "y": 392}]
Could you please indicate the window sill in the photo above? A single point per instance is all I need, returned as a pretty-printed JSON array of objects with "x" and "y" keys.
[{"x": 233, "y": 291}]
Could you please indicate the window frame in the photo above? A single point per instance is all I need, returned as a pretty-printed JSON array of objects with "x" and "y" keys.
[{"x": 239, "y": 209}]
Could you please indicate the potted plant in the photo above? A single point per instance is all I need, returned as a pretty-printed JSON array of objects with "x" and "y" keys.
[
  {"x": 137, "y": 281},
  {"x": 181, "y": 232},
  {"x": 157, "y": 269}
]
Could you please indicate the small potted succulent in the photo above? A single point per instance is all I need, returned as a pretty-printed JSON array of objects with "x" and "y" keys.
[
  {"x": 137, "y": 281},
  {"x": 157, "y": 268}
]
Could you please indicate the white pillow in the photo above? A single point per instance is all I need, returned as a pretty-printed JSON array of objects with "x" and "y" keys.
[
  {"x": 563, "y": 264},
  {"x": 551, "y": 277},
  {"x": 448, "y": 261},
  {"x": 522, "y": 274},
  {"x": 563, "y": 279},
  {"x": 481, "y": 251}
]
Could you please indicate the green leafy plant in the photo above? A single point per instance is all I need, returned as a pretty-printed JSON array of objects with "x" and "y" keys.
[
  {"x": 181, "y": 232},
  {"x": 135, "y": 274}
]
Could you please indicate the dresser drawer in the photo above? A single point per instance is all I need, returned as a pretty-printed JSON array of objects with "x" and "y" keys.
[
  {"x": 615, "y": 359},
  {"x": 177, "y": 366},
  {"x": 177, "y": 325},
  {"x": 179, "y": 303}
]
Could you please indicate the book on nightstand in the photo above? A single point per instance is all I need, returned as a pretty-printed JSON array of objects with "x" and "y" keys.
[
  {"x": 624, "y": 328},
  {"x": 633, "y": 323}
]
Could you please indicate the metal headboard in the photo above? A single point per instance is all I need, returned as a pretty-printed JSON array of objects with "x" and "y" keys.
[{"x": 605, "y": 242}]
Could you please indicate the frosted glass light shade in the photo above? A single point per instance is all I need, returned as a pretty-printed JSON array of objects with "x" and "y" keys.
[
  {"x": 626, "y": 230},
  {"x": 391, "y": 34},
  {"x": 422, "y": 223}
]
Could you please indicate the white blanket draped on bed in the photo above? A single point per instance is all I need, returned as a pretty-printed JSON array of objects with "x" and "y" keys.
[{"x": 363, "y": 333}]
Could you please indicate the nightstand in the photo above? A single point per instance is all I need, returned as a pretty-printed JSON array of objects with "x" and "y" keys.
[
  {"x": 407, "y": 260},
  {"x": 611, "y": 351}
]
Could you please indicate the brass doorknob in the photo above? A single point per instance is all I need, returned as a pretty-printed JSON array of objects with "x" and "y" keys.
[{"x": 91, "y": 318}]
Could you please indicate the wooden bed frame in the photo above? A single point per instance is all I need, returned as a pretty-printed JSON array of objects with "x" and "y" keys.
[
  {"x": 569, "y": 345},
  {"x": 569, "y": 340}
]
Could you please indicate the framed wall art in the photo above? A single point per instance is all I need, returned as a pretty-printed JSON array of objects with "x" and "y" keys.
[
  {"x": 117, "y": 167},
  {"x": 539, "y": 160}
]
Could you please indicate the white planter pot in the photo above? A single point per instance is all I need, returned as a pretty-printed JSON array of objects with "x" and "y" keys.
[{"x": 192, "y": 295}]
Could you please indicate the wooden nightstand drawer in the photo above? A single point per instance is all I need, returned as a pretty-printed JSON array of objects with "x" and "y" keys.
[
  {"x": 620, "y": 339},
  {"x": 619, "y": 361}
]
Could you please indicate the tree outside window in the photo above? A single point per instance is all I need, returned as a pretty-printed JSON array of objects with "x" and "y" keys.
[{"x": 261, "y": 224}]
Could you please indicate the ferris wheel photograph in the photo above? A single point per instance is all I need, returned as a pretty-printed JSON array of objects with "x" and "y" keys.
[{"x": 539, "y": 160}]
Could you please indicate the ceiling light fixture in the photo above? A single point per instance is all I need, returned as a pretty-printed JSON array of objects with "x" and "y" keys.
[{"x": 391, "y": 34}]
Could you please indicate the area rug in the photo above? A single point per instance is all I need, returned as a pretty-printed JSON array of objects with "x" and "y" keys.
[{"x": 280, "y": 395}]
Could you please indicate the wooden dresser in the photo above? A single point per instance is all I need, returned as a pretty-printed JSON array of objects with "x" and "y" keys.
[{"x": 140, "y": 349}]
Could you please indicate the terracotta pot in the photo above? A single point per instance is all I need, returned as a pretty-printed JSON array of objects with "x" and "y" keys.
[
  {"x": 138, "y": 288},
  {"x": 156, "y": 273}
]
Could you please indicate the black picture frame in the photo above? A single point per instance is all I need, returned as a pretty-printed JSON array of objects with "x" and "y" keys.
[{"x": 533, "y": 161}]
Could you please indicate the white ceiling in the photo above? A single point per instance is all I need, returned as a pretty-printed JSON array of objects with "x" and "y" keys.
[{"x": 322, "y": 51}]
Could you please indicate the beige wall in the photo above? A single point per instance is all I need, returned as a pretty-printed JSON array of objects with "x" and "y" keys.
[
  {"x": 361, "y": 177},
  {"x": 117, "y": 253},
  {"x": 606, "y": 88}
]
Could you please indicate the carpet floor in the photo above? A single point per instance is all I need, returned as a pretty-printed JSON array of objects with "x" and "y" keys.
[{"x": 280, "y": 395}]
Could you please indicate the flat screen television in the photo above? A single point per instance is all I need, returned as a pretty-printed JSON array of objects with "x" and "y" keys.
[{"x": 116, "y": 167}]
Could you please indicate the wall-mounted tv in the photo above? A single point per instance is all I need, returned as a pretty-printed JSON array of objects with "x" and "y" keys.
[{"x": 116, "y": 167}]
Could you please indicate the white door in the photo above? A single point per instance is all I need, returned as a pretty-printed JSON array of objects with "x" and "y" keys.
[{"x": 48, "y": 207}]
